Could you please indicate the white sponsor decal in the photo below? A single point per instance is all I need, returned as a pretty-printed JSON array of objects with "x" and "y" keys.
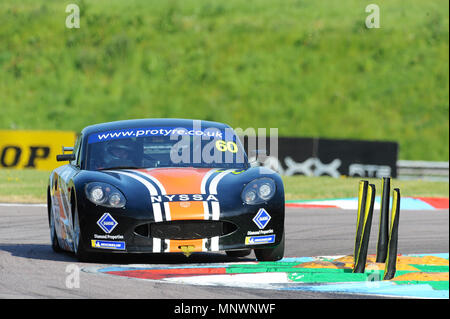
[{"x": 183, "y": 197}]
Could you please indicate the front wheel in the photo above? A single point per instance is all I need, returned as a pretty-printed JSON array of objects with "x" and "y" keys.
[
  {"x": 78, "y": 248},
  {"x": 271, "y": 254}
]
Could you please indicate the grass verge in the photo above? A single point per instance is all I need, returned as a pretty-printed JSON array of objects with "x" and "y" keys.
[
  {"x": 303, "y": 188},
  {"x": 23, "y": 186}
]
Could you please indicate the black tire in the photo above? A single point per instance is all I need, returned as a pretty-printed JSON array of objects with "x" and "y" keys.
[
  {"x": 271, "y": 254},
  {"x": 78, "y": 247},
  {"x": 238, "y": 253}
]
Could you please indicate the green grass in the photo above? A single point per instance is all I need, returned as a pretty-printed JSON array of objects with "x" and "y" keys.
[
  {"x": 29, "y": 186},
  {"x": 309, "y": 68},
  {"x": 304, "y": 188},
  {"x": 23, "y": 186}
]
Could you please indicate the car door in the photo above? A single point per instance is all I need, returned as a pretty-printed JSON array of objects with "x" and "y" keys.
[{"x": 62, "y": 188}]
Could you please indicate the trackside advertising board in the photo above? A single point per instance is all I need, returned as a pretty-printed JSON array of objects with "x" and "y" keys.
[
  {"x": 330, "y": 157},
  {"x": 33, "y": 149}
]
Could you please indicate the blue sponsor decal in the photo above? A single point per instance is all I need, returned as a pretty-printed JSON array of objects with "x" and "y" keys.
[
  {"x": 154, "y": 131},
  {"x": 104, "y": 244},
  {"x": 262, "y": 218},
  {"x": 255, "y": 240},
  {"x": 107, "y": 223}
]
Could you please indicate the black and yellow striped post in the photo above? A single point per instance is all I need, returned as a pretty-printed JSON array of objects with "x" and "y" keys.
[
  {"x": 383, "y": 233},
  {"x": 365, "y": 214},
  {"x": 362, "y": 194},
  {"x": 391, "y": 260}
]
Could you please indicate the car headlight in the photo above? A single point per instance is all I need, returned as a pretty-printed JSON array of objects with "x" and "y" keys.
[
  {"x": 258, "y": 191},
  {"x": 105, "y": 195}
]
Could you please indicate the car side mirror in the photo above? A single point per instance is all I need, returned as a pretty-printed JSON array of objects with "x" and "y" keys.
[{"x": 66, "y": 157}]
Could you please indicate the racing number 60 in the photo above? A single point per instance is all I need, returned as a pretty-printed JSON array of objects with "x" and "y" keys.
[{"x": 223, "y": 146}]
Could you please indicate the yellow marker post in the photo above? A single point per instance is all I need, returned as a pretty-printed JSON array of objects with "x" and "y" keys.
[
  {"x": 391, "y": 260},
  {"x": 362, "y": 194},
  {"x": 366, "y": 219},
  {"x": 383, "y": 232}
]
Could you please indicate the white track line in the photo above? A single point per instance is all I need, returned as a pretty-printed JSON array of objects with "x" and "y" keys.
[{"x": 20, "y": 204}]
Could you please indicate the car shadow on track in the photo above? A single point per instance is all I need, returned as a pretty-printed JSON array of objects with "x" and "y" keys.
[
  {"x": 45, "y": 252},
  {"x": 172, "y": 258},
  {"x": 35, "y": 251}
]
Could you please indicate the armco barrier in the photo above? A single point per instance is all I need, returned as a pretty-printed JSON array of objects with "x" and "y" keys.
[
  {"x": 432, "y": 171},
  {"x": 32, "y": 149}
]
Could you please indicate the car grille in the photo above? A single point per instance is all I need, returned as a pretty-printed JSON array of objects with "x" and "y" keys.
[{"x": 185, "y": 229}]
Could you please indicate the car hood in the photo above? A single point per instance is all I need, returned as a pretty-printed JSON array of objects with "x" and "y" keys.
[
  {"x": 174, "y": 180},
  {"x": 169, "y": 181},
  {"x": 184, "y": 193}
]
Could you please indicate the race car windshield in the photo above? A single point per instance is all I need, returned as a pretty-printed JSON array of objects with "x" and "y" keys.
[{"x": 165, "y": 147}]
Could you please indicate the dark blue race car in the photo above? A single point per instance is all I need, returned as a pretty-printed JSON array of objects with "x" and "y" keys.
[{"x": 164, "y": 185}]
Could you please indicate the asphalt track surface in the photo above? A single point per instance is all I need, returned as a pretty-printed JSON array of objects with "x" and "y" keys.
[{"x": 30, "y": 269}]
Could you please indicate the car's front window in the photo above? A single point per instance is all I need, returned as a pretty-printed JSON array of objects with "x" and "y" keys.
[{"x": 165, "y": 147}]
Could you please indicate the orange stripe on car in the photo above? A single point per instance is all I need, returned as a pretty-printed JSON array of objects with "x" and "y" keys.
[
  {"x": 181, "y": 181},
  {"x": 180, "y": 211}
]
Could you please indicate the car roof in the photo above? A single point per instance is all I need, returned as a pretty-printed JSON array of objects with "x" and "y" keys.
[{"x": 143, "y": 123}]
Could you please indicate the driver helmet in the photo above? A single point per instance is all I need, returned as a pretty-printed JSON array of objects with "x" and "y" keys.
[{"x": 121, "y": 149}]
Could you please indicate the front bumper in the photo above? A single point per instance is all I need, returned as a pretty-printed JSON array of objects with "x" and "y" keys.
[{"x": 135, "y": 231}]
